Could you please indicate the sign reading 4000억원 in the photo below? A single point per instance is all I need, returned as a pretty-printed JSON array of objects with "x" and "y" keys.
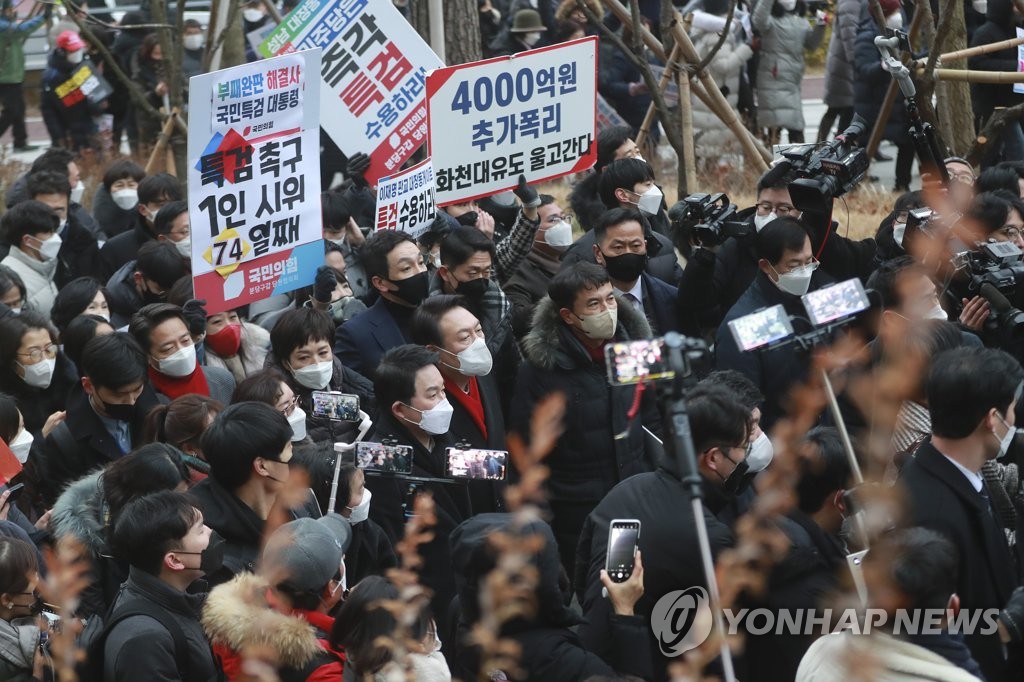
[{"x": 531, "y": 114}]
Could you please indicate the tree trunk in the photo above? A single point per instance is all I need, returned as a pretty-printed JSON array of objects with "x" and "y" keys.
[
  {"x": 233, "y": 52},
  {"x": 956, "y": 115},
  {"x": 461, "y": 31},
  {"x": 420, "y": 18}
]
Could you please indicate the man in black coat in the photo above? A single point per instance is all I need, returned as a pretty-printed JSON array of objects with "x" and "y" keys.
[
  {"x": 788, "y": 270},
  {"x": 415, "y": 413},
  {"x": 660, "y": 500},
  {"x": 601, "y": 444},
  {"x": 155, "y": 191},
  {"x": 1001, "y": 19},
  {"x": 105, "y": 413},
  {"x": 620, "y": 248},
  {"x": 972, "y": 394},
  {"x": 78, "y": 255},
  {"x": 446, "y": 327}
]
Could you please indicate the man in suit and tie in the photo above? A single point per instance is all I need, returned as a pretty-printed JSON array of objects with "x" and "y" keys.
[
  {"x": 395, "y": 268},
  {"x": 972, "y": 393},
  {"x": 621, "y": 249}
]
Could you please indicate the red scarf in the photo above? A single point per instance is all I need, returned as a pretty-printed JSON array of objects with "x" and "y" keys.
[
  {"x": 469, "y": 400},
  {"x": 174, "y": 387}
]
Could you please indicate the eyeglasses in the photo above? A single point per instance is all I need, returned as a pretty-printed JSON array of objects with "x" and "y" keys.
[
  {"x": 37, "y": 354},
  {"x": 965, "y": 178},
  {"x": 1011, "y": 232},
  {"x": 766, "y": 207},
  {"x": 555, "y": 219},
  {"x": 289, "y": 406}
]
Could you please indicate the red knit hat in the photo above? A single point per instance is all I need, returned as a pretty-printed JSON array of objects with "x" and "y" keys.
[
  {"x": 69, "y": 41},
  {"x": 889, "y": 6}
]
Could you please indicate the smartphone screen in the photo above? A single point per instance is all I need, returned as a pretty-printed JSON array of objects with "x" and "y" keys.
[
  {"x": 623, "y": 535},
  {"x": 489, "y": 465},
  {"x": 761, "y": 328},
  {"x": 835, "y": 302},
  {"x": 388, "y": 459},
  {"x": 335, "y": 405},
  {"x": 630, "y": 362}
]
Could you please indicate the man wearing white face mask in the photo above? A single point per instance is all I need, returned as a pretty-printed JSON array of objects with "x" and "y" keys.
[
  {"x": 415, "y": 411},
  {"x": 116, "y": 197},
  {"x": 172, "y": 225},
  {"x": 787, "y": 271},
  {"x": 154, "y": 192},
  {"x": 162, "y": 332},
  {"x": 31, "y": 230},
  {"x": 78, "y": 255},
  {"x": 972, "y": 398},
  {"x": 526, "y": 33},
  {"x": 445, "y": 326},
  {"x": 565, "y": 352}
]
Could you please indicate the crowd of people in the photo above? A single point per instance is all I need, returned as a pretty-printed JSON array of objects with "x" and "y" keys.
[{"x": 190, "y": 458}]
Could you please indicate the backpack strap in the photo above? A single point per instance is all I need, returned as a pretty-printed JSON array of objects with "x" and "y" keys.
[{"x": 142, "y": 607}]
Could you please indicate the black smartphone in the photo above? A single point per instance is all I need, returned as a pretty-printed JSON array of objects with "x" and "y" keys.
[
  {"x": 490, "y": 465},
  {"x": 14, "y": 492},
  {"x": 623, "y": 536},
  {"x": 630, "y": 362},
  {"x": 336, "y": 405},
  {"x": 387, "y": 459}
]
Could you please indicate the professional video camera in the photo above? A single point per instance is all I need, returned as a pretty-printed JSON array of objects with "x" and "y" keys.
[
  {"x": 827, "y": 171},
  {"x": 709, "y": 218},
  {"x": 993, "y": 271}
]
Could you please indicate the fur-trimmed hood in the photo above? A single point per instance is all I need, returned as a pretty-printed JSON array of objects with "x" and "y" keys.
[
  {"x": 237, "y": 615},
  {"x": 550, "y": 344},
  {"x": 79, "y": 512}
]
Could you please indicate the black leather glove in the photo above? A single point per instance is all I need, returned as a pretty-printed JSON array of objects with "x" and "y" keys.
[
  {"x": 468, "y": 218},
  {"x": 1012, "y": 615},
  {"x": 324, "y": 284},
  {"x": 357, "y": 165},
  {"x": 526, "y": 194},
  {"x": 195, "y": 316}
]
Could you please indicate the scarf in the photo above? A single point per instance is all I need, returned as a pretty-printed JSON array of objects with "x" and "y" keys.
[{"x": 174, "y": 387}]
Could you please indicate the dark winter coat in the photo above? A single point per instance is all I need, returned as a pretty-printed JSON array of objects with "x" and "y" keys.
[
  {"x": 871, "y": 83},
  {"x": 343, "y": 379},
  {"x": 37, "y": 404},
  {"x": 774, "y": 371},
  {"x": 527, "y": 287},
  {"x": 668, "y": 543},
  {"x": 79, "y": 255},
  {"x": 662, "y": 263},
  {"x": 839, "y": 63},
  {"x": 614, "y": 74},
  {"x": 485, "y": 496},
  {"x": 370, "y": 552},
  {"x": 550, "y": 650},
  {"x": 999, "y": 26},
  {"x": 125, "y": 246},
  {"x": 62, "y": 121},
  {"x": 363, "y": 340},
  {"x": 941, "y": 498},
  {"x": 112, "y": 218},
  {"x": 780, "y": 66},
  {"x": 140, "y": 647}
]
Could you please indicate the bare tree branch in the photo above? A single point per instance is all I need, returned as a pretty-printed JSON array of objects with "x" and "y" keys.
[
  {"x": 93, "y": 20},
  {"x": 721, "y": 40},
  {"x": 992, "y": 131}
]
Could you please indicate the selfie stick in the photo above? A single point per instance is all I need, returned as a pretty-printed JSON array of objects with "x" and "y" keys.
[
  {"x": 342, "y": 448},
  {"x": 680, "y": 444}
]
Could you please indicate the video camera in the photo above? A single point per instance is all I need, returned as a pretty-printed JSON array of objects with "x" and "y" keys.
[
  {"x": 993, "y": 271},
  {"x": 827, "y": 171},
  {"x": 710, "y": 218}
]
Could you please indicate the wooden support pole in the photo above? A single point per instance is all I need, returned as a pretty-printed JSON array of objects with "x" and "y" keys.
[
  {"x": 162, "y": 143},
  {"x": 666, "y": 76},
  {"x": 969, "y": 52}
]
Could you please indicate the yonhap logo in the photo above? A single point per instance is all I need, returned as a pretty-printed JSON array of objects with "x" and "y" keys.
[{"x": 681, "y": 620}]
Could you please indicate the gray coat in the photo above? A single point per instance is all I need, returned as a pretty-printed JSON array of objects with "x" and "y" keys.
[
  {"x": 781, "y": 65},
  {"x": 839, "y": 66}
]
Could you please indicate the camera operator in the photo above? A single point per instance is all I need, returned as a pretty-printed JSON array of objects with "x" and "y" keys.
[
  {"x": 629, "y": 183},
  {"x": 787, "y": 271}
]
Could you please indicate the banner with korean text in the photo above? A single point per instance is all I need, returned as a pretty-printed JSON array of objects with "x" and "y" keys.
[
  {"x": 405, "y": 201},
  {"x": 371, "y": 78},
  {"x": 531, "y": 114},
  {"x": 254, "y": 180}
]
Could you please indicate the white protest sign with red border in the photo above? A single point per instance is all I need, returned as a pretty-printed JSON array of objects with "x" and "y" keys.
[
  {"x": 533, "y": 114},
  {"x": 405, "y": 201}
]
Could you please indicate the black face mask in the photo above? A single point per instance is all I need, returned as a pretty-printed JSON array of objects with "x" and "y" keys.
[
  {"x": 211, "y": 559},
  {"x": 468, "y": 219},
  {"x": 732, "y": 484},
  {"x": 413, "y": 289},
  {"x": 474, "y": 288},
  {"x": 35, "y": 608},
  {"x": 149, "y": 297},
  {"x": 625, "y": 268},
  {"x": 119, "y": 412}
]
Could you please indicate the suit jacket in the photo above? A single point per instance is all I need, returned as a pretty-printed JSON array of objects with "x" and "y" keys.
[
  {"x": 941, "y": 498},
  {"x": 660, "y": 304},
  {"x": 366, "y": 337},
  {"x": 486, "y": 496}
]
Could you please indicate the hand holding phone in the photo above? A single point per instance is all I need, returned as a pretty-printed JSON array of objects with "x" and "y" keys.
[
  {"x": 625, "y": 595},
  {"x": 623, "y": 537}
]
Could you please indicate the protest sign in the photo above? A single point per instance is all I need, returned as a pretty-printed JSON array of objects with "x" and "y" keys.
[
  {"x": 254, "y": 180},
  {"x": 85, "y": 83},
  {"x": 375, "y": 63},
  {"x": 405, "y": 201},
  {"x": 531, "y": 114}
]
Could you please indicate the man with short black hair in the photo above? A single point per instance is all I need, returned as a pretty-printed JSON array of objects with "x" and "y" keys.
[
  {"x": 172, "y": 225},
  {"x": 395, "y": 268},
  {"x": 116, "y": 197},
  {"x": 30, "y": 227},
  {"x": 621, "y": 185},
  {"x": 161, "y": 330},
  {"x": 972, "y": 396},
  {"x": 248, "y": 446},
  {"x": 788, "y": 270},
  {"x": 154, "y": 624},
  {"x": 144, "y": 280},
  {"x": 79, "y": 254},
  {"x": 106, "y": 412},
  {"x": 154, "y": 192},
  {"x": 62, "y": 161},
  {"x": 621, "y": 249},
  {"x": 602, "y": 442}
]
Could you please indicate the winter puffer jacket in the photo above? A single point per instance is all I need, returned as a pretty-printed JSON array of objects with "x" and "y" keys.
[
  {"x": 871, "y": 84},
  {"x": 839, "y": 64},
  {"x": 780, "y": 67},
  {"x": 18, "y": 644},
  {"x": 999, "y": 26},
  {"x": 711, "y": 136}
]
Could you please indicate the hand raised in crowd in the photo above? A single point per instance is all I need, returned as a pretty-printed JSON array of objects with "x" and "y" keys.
[
  {"x": 194, "y": 311},
  {"x": 625, "y": 595},
  {"x": 355, "y": 236},
  {"x": 485, "y": 223},
  {"x": 974, "y": 313},
  {"x": 52, "y": 421},
  {"x": 638, "y": 88},
  {"x": 529, "y": 197},
  {"x": 356, "y": 166},
  {"x": 43, "y": 522},
  {"x": 324, "y": 284}
]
